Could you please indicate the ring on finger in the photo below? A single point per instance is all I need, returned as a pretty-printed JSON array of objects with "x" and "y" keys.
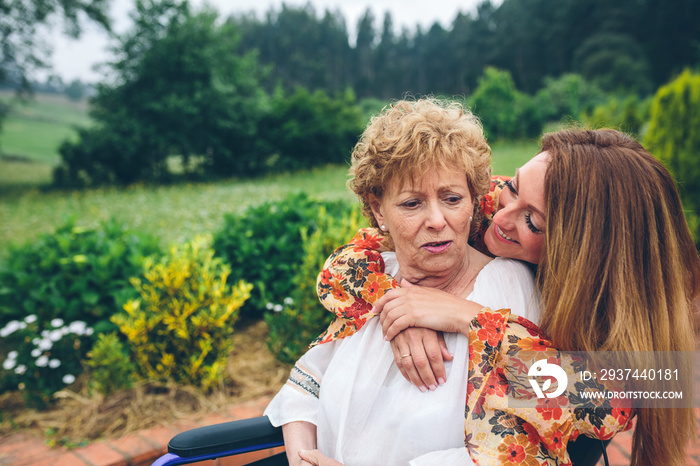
[{"x": 405, "y": 355}]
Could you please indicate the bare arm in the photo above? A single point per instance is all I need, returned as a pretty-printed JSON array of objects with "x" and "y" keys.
[
  {"x": 416, "y": 306},
  {"x": 300, "y": 435}
]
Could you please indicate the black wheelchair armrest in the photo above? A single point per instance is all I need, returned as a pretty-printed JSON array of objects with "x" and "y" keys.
[{"x": 245, "y": 435}]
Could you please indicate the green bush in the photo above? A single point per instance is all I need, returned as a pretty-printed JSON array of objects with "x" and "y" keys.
[
  {"x": 628, "y": 114},
  {"x": 307, "y": 129},
  {"x": 505, "y": 112},
  {"x": 44, "y": 357},
  {"x": 674, "y": 138},
  {"x": 74, "y": 274},
  {"x": 263, "y": 245},
  {"x": 299, "y": 317},
  {"x": 111, "y": 368},
  {"x": 180, "y": 328},
  {"x": 566, "y": 97}
]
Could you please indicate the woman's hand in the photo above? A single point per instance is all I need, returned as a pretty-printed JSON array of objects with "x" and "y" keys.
[
  {"x": 417, "y": 306},
  {"x": 420, "y": 355},
  {"x": 316, "y": 458}
]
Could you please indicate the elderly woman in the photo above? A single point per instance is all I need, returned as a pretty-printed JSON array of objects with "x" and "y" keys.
[
  {"x": 418, "y": 169},
  {"x": 601, "y": 219}
]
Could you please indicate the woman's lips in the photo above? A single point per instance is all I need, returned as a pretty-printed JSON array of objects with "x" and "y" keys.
[
  {"x": 502, "y": 236},
  {"x": 437, "y": 246}
]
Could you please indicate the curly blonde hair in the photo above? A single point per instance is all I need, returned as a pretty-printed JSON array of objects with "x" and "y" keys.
[{"x": 409, "y": 138}]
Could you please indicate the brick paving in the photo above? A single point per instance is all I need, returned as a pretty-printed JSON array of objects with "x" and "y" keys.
[{"x": 144, "y": 447}]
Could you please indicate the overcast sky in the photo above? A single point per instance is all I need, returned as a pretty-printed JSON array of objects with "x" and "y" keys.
[{"x": 75, "y": 59}]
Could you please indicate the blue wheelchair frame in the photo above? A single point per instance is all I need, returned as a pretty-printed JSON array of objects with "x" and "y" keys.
[{"x": 237, "y": 437}]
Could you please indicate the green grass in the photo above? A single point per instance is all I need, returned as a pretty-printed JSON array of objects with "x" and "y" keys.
[
  {"x": 507, "y": 156},
  {"x": 35, "y": 129},
  {"x": 172, "y": 213},
  {"x": 175, "y": 213}
]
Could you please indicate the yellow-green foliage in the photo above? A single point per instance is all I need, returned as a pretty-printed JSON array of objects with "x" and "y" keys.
[
  {"x": 301, "y": 318},
  {"x": 674, "y": 137},
  {"x": 111, "y": 368},
  {"x": 181, "y": 327}
]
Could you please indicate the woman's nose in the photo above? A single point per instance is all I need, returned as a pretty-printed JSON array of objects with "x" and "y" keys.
[
  {"x": 435, "y": 218},
  {"x": 504, "y": 217}
]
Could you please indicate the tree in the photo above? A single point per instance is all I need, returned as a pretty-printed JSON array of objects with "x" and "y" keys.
[
  {"x": 673, "y": 137},
  {"x": 22, "y": 52},
  {"x": 180, "y": 89},
  {"x": 500, "y": 105},
  {"x": 307, "y": 129}
]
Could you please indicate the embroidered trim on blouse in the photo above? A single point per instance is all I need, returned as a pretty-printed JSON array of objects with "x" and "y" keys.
[{"x": 298, "y": 377}]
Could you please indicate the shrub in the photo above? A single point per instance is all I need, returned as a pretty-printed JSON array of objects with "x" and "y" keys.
[
  {"x": 110, "y": 364},
  {"x": 567, "y": 96},
  {"x": 674, "y": 138},
  {"x": 299, "y": 317},
  {"x": 45, "y": 356},
  {"x": 74, "y": 274},
  {"x": 263, "y": 246},
  {"x": 307, "y": 129},
  {"x": 504, "y": 111},
  {"x": 628, "y": 114},
  {"x": 181, "y": 327}
]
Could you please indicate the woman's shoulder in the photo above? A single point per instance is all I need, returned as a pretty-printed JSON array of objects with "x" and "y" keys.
[{"x": 508, "y": 283}]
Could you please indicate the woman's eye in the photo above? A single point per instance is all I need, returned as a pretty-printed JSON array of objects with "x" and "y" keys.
[
  {"x": 530, "y": 225},
  {"x": 412, "y": 204},
  {"x": 510, "y": 186},
  {"x": 453, "y": 199}
]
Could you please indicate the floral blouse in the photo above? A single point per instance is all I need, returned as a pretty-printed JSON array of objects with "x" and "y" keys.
[
  {"x": 502, "y": 347},
  {"x": 353, "y": 277}
]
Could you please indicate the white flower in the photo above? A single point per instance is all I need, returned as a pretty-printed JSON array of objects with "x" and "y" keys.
[
  {"x": 30, "y": 319},
  {"x": 68, "y": 379},
  {"x": 57, "y": 322},
  {"x": 9, "y": 364},
  {"x": 278, "y": 308},
  {"x": 22, "y": 325},
  {"x": 11, "y": 327},
  {"x": 89, "y": 331},
  {"x": 54, "y": 363},
  {"x": 269, "y": 306},
  {"x": 55, "y": 335},
  {"x": 12, "y": 355},
  {"x": 21, "y": 369},
  {"x": 42, "y": 361},
  {"x": 36, "y": 352},
  {"x": 78, "y": 327},
  {"x": 288, "y": 301},
  {"x": 45, "y": 345}
]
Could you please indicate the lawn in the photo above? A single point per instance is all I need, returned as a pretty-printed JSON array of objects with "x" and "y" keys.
[{"x": 29, "y": 142}]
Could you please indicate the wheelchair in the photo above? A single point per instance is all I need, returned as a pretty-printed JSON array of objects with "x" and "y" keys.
[{"x": 247, "y": 435}]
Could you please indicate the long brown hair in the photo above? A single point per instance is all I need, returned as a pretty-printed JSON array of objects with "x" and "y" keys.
[{"x": 619, "y": 268}]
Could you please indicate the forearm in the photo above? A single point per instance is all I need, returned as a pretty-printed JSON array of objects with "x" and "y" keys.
[{"x": 300, "y": 435}]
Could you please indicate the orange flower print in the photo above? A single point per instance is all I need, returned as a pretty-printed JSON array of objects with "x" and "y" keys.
[
  {"x": 369, "y": 242},
  {"x": 551, "y": 408},
  {"x": 533, "y": 344},
  {"x": 517, "y": 450},
  {"x": 497, "y": 384},
  {"x": 476, "y": 349},
  {"x": 338, "y": 292},
  {"x": 356, "y": 310},
  {"x": 491, "y": 332},
  {"x": 325, "y": 277},
  {"x": 375, "y": 287}
]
